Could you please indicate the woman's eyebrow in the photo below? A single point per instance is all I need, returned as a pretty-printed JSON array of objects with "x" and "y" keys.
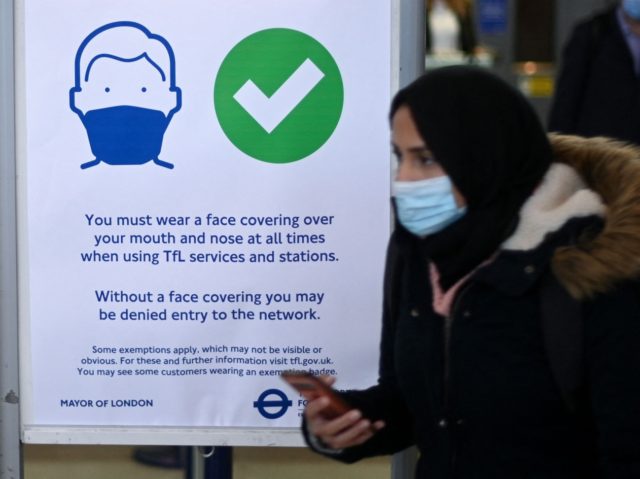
[{"x": 420, "y": 149}]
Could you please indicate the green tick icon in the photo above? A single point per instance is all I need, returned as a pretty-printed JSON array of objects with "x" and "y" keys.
[{"x": 278, "y": 95}]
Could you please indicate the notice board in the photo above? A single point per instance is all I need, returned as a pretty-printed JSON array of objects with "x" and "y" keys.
[{"x": 203, "y": 203}]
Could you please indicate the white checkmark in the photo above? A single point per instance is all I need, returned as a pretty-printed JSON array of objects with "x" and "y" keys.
[{"x": 269, "y": 112}]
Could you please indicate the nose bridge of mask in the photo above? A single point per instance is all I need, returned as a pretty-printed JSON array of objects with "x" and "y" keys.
[
  {"x": 432, "y": 187},
  {"x": 424, "y": 198}
]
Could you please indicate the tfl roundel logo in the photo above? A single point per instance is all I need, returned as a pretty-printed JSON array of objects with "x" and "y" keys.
[{"x": 272, "y": 404}]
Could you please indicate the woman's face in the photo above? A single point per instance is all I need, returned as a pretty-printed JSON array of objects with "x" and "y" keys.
[{"x": 415, "y": 160}]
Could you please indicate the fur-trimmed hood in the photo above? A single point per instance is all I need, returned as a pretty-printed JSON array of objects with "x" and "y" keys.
[{"x": 612, "y": 170}]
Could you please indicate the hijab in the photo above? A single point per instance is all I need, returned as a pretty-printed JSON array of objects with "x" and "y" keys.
[{"x": 489, "y": 141}]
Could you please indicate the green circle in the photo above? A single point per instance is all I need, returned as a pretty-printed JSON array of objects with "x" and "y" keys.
[{"x": 305, "y": 117}]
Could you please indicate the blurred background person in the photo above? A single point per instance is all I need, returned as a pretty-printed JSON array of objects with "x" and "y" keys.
[
  {"x": 598, "y": 87},
  {"x": 449, "y": 27}
]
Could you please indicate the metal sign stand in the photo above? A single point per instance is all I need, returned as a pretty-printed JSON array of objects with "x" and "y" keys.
[
  {"x": 10, "y": 449},
  {"x": 215, "y": 462}
]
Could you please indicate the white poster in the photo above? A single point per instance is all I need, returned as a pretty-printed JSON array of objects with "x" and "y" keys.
[{"x": 205, "y": 189}]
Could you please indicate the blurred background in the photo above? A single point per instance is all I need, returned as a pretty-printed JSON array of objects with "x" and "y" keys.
[{"x": 521, "y": 40}]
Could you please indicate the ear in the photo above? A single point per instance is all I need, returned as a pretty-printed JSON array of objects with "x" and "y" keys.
[
  {"x": 76, "y": 100},
  {"x": 177, "y": 100}
]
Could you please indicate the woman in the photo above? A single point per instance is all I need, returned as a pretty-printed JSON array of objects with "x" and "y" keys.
[
  {"x": 489, "y": 214},
  {"x": 449, "y": 27}
]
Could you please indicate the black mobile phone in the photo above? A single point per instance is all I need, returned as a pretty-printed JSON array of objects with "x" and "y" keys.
[{"x": 312, "y": 387}]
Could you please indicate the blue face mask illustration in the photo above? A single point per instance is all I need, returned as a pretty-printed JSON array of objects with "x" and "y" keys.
[
  {"x": 427, "y": 206},
  {"x": 125, "y": 135},
  {"x": 632, "y": 8}
]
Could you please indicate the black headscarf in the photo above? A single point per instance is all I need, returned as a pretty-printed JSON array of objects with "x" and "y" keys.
[{"x": 488, "y": 139}]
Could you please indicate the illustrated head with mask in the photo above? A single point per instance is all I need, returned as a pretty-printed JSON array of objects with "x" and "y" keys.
[{"x": 125, "y": 93}]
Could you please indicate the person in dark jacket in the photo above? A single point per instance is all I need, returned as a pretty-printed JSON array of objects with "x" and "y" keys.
[
  {"x": 489, "y": 210},
  {"x": 598, "y": 87}
]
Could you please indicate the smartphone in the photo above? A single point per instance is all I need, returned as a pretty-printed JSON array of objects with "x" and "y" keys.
[{"x": 312, "y": 387}]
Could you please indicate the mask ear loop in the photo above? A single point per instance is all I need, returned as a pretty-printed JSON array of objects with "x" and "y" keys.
[
  {"x": 165, "y": 164},
  {"x": 89, "y": 164}
]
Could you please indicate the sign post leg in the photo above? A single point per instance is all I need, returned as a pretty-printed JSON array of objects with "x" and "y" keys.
[
  {"x": 10, "y": 449},
  {"x": 209, "y": 463}
]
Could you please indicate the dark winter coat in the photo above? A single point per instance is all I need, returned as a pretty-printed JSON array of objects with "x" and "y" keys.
[
  {"x": 597, "y": 90},
  {"x": 475, "y": 392}
]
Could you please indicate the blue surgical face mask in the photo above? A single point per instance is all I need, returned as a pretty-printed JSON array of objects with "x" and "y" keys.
[
  {"x": 632, "y": 8},
  {"x": 427, "y": 206},
  {"x": 125, "y": 135}
]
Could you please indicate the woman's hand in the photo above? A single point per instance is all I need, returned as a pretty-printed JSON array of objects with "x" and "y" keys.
[{"x": 350, "y": 429}]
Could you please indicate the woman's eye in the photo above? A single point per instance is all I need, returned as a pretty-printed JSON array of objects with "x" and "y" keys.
[{"x": 427, "y": 160}]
